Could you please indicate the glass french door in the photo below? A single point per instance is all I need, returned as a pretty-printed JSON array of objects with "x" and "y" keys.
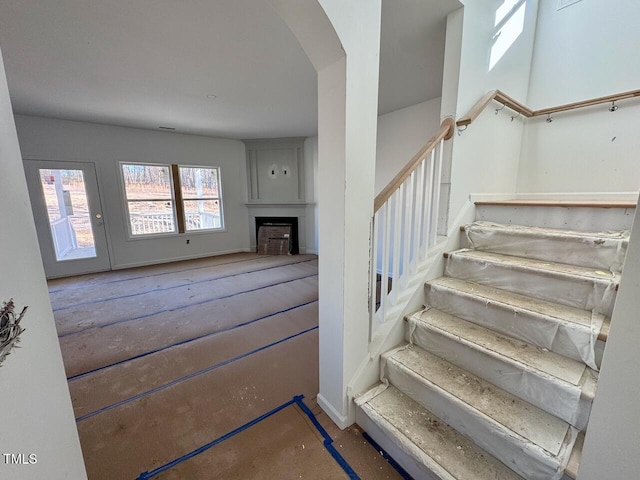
[{"x": 68, "y": 216}]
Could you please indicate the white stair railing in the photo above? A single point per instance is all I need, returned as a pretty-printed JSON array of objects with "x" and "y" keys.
[{"x": 405, "y": 226}]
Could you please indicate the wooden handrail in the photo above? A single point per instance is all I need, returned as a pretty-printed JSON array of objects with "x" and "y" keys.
[
  {"x": 489, "y": 97},
  {"x": 447, "y": 127},
  {"x": 525, "y": 111}
]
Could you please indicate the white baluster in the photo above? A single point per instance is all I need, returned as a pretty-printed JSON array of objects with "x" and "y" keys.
[
  {"x": 374, "y": 271},
  {"x": 397, "y": 225},
  {"x": 429, "y": 201},
  {"x": 408, "y": 204},
  {"x": 384, "y": 281},
  {"x": 436, "y": 194},
  {"x": 418, "y": 214}
]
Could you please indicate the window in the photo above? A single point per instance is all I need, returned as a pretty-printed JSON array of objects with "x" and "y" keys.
[
  {"x": 200, "y": 188},
  {"x": 149, "y": 195},
  {"x": 155, "y": 205}
]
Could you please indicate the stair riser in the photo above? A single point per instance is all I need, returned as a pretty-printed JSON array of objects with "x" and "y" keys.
[
  {"x": 588, "y": 219},
  {"x": 412, "y": 461},
  {"x": 527, "y": 384},
  {"x": 519, "y": 454},
  {"x": 606, "y": 254},
  {"x": 570, "y": 291},
  {"x": 538, "y": 330}
]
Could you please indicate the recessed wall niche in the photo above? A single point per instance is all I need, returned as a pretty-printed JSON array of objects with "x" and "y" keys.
[{"x": 275, "y": 170}]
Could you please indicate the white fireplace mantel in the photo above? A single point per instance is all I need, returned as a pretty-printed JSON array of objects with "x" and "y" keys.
[{"x": 279, "y": 209}]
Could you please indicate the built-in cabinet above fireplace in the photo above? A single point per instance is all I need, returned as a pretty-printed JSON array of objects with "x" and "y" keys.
[{"x": 276, "y": 184}]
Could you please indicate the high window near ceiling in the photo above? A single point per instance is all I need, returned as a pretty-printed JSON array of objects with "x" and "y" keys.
[{"x": 166, "y": 199}]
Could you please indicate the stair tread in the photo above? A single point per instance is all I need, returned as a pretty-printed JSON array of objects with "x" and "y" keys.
[
  {"x": 450, "y": 450},
  {"x": 542, "y": 360},
  {"x": 506, "y": 410},
  {"x": 560, "y": 203},
  {"x": 522, "y": 263},
  {"x": 546, "y": 232},
  {"x": 517, "y": 301}
]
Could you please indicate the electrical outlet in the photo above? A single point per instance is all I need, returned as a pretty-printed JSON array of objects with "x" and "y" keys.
[{"x": 188, "y": 241}]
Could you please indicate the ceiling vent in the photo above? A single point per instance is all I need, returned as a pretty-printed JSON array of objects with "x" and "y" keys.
[{"x": 566, "y": 3}]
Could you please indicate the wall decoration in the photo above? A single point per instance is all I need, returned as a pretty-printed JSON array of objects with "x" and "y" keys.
[{"x": 10, "y": 328}]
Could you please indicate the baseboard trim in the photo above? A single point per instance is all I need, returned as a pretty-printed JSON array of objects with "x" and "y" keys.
[
  {"x": 179, "y": 259},
  {"x": 340, "y": 420}
]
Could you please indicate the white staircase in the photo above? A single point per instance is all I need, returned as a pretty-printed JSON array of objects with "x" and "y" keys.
[{"x": 500, "y": 369}]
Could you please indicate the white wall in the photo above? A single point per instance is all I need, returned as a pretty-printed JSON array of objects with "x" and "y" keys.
[
  {"x": 485, "y": 157},
  {"x": 400, "y": 135},
  {"x": 511, "y": 73},
  {"x": 584, "y": 51},
  {"x": 311, "y": 191},
  {"x": 38, "y": 417},
  {"x": 613, "y": 436},
  {"x": 589, "y": 151},
  {"x": 342, "y": 41},
  {"x": 106, "y": 146}
]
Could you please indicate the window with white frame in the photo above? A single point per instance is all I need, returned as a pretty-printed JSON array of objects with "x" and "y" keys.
[
  {"x": 165, "y": 199},
  {"x": 149, "y": 196},
  {"x": 201, "y": 199}
]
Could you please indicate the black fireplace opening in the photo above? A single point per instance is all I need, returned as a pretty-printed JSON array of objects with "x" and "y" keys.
[{"x": 291, "y": 221}]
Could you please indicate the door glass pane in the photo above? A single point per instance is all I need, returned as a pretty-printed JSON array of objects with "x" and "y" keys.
[{"x": 69, "y": 218}]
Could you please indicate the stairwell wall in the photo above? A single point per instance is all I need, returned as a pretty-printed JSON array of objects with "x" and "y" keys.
[
  {"x": 484, "y": 159},
  {"x": 401, "y": 134},
  {"x": 613, "y": 436},
  {"x": 584, "y": 51}
]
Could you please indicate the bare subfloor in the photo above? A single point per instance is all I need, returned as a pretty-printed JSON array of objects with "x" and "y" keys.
[{"x": 166, "y": 359}]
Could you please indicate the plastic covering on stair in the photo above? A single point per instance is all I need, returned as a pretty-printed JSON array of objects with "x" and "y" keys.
[
  {"x": 600, "y": 249},
  {"x": 578, "y": 287},
  {"x": 565, "y": 330},
  {"x": 436, "y": 447},
  {"x": 526, "y": 457},
  {"x": 556, "y": 390}
]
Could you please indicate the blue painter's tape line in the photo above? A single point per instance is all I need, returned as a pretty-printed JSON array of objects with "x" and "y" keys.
[
  {"x": 190, "y": 376},
  {"x": 163, "y": 289},
  {"x": 213, "y": 443},
  {"x": 182, "y": 307},
  {"x": 184, "y": 342},
  {"x": 401, "y": 471},
  {"x": 328, "y": 441}
]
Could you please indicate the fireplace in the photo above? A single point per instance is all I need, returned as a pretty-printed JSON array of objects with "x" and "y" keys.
[{"x": 292, "y": 221}]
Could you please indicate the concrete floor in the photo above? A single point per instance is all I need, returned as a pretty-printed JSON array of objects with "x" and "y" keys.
[{"x": 162, "y": 360}]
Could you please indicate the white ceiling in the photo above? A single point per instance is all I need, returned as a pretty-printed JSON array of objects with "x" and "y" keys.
[{"x": 152, "y": 63}]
